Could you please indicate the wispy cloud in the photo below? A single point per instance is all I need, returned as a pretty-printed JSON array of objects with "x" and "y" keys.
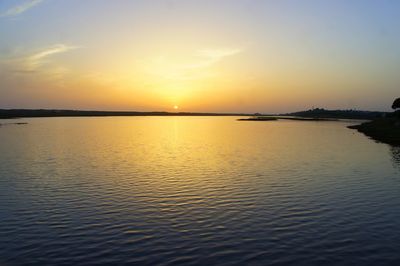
[
  {"x": 217, "y": 54},
  {"x": 195, "y": 68},
  {"x": 208, "y": 57},
  {"x": 19, "y": 9},
  {"x": 39, "y": 62},
  {"x": 36, "y": 60}
]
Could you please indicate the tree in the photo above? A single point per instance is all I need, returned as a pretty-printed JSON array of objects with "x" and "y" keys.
[{"x": 396, "y": 104}]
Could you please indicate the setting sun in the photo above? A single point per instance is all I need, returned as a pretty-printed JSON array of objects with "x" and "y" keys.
[{"x": 176, "y": 107}]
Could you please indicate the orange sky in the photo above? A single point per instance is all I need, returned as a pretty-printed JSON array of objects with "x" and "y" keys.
[{"x": 203, "y": 56}]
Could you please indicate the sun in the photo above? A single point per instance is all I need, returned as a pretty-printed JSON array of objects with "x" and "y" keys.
[{"x": 176, "y": 107}]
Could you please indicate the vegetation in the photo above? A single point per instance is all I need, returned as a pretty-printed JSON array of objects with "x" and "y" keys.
[
  {"x": 272, "y": 118},
  {"x": 386, "y": 129},
  {"x": 339, "y": 114},
  {"x": 396, "y": 104}
]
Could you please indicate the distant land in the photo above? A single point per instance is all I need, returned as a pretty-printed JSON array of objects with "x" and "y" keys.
[
  {"x": 274, "y": 118},
  {"x": 312, "y": 113},
  {"x": 382, "y": 126},
  {"x": 338, "y": 114},
  {"x": 21, "y": 113}
]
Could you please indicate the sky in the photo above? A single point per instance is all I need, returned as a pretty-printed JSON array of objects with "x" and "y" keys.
[{"x": 267, "y": 56}]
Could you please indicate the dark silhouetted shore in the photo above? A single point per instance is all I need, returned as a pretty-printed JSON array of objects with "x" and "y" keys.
[
  {"x": 386, "y": 130},
  {"x": 338, "y": 114},
  {"x": 274, "y": 118}
]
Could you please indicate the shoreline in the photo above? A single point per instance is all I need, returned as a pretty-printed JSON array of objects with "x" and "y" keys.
[
  {"x": 34, "y": 113},
  {"x": 385, "y": 130},
  {"x": 275, "y": 118},
  {"x": 310, "y": 115}
]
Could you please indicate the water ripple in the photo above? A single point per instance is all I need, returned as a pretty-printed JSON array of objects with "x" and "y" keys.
[{"x": 196, "y": 191}]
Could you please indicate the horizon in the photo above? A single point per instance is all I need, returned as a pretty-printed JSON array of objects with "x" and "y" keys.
[
  {"x": 172, "y": 110},
  {"x": 238, "y": 56},
  {"x": 183, "y": 113}
]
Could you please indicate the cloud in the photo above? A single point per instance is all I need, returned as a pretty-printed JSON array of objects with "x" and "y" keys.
[
  {"x": 208, "y": 57},
  {"x": 32, "y": 63},
  {"x": 218, "y": 54},
  {"x": 194, "y": 68},
  {"x": 38, "y": 63},
  {"x": 18, "y": 10},
  {"x": 35, "y": 61}
]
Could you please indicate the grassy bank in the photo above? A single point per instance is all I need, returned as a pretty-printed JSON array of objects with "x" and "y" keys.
[{"x": 386, "y": 130}]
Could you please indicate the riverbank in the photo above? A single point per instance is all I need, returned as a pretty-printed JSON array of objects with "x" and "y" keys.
[
  {"x": 274, "y": 118},
  {"x": 386, "y": 130},
  {"x": 339, "y": 114}
]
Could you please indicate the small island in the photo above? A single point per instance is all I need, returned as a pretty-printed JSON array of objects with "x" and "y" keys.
[{"x": 259, "y": 118}]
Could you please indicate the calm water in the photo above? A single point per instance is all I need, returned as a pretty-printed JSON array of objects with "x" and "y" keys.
[{"x": 196, "y": 191}]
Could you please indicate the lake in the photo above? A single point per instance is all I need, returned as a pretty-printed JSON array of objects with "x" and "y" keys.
[{"x": 196, "y": 191}]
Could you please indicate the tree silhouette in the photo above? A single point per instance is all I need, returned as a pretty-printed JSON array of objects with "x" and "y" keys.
[{"x": 396, "y": 104}]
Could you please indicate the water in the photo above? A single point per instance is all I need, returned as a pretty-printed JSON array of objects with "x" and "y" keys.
[{"x": 196, "y": 191}]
